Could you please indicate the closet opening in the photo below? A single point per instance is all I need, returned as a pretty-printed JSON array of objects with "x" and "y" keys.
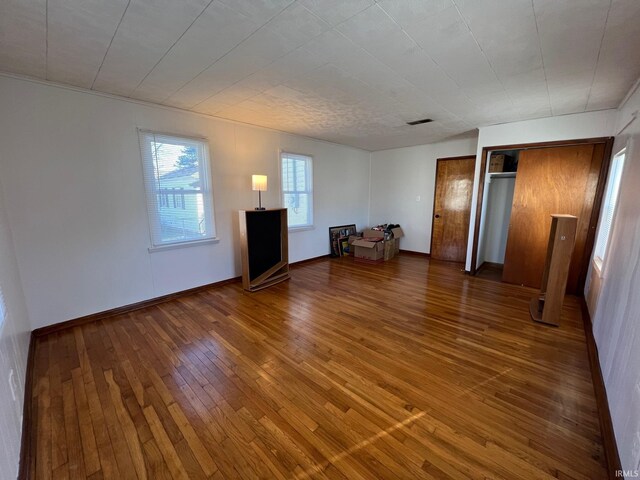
[
  {"x": 520, "y": 187},
  {"x": 499, "y": 184}
]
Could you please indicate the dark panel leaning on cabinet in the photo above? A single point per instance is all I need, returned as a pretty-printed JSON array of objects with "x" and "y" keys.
[{"x": 264, "y": 247}]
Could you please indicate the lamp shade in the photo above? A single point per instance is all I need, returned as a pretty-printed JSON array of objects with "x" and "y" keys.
[{"x": 259, "y": 183}]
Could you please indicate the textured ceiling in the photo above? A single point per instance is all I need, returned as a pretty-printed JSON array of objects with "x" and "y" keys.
[{"x": 347, "y": 71}]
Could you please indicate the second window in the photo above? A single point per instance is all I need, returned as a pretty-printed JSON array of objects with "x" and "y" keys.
[{"x": 297, "y": 188}]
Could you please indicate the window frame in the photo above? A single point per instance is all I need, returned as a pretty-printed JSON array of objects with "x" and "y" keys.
[
  {"x": 3, "y": 311},
  {"x": 615, "y": 174},
  {"x": 149, "y": 179},
  {"x": 309, "y": 191}
]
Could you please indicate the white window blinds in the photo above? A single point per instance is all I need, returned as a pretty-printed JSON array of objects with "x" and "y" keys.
[
  {"x": 609, "y": 207},
  {"x": 297, "y": 189},
  {"x": 178, "y": 188}
]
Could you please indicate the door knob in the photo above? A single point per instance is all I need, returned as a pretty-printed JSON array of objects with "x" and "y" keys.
[{"x": 437, "y": 215}]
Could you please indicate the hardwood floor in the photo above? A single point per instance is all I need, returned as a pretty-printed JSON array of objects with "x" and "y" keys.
[
  {"x": 490, "y": 271},
  {"x": 409, "y": 369}
]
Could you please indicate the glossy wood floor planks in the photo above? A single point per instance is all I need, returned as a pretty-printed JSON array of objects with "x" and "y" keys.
[{"x": 408, "y": 369}]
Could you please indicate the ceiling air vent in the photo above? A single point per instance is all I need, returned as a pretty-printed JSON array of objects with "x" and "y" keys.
[{"x": 418, "y": 122}]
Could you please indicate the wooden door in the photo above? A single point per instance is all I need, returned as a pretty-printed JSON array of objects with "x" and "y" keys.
[
  {"x": 560, "y": 180},
  {"x": 451, "y": 208}
]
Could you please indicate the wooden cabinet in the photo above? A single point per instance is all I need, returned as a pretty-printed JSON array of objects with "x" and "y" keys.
[
  {"x": 547, "y": 306},
  {"x": 264, "y": 247}
]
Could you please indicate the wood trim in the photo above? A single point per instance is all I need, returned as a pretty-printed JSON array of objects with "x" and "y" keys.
[
  {"x": 609, "y": 443},
  {"x": 302, "y": 263},
  {"x": 417, "y": 254},
  {"x": 555, "y": 143},
  {"x": 595, "y": 213},
  {"x": 27, "y": 443},
  {"x": 435, "y": 189},
  {"x": 56, "y": 327},
  {"x": 461, "y": 157},
  {"x": 433, "y": 202}
]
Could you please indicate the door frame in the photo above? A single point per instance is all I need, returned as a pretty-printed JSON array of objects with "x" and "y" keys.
[
  {"x": 435, "y": 189},
  {"x": 597, "y": 203}
]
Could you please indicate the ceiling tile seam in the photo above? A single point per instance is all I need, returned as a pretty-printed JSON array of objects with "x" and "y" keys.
[
  {"x": 595, "y": 69},
  {"x": 170, "y": 48},
  {"x": 629, "y": 94},
  {"x": 372, "y": 87},
  {"x": 110, "y": 43},
  {"x": 228, "y": 52},
  {"x": 380, "y": 62},
  {"x": 377, "y": 60},
  {"x": 466, "y": 24},
  {"x": 259, "y": 91},
  {"x": 544, "y": 70},
  {"x": 507, "y": 122},
  {"x": 274, "y": 60},
  {"x": 375, "y": 2},
  {"x": 426, "y": 53}
]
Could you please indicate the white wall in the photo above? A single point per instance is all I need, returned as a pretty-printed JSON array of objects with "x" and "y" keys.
[
  {"x": 72, "y": 179},
  {"x": 566, "y": 127},
  {"x": 402, "y": 175},
  {"x": 496, "y": 217},
  {"x": 616, "y": 320},
  {"x": 14, "y": 346}
]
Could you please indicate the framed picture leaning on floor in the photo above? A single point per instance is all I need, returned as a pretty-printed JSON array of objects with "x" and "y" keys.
[{"x": 335, "y": 235}]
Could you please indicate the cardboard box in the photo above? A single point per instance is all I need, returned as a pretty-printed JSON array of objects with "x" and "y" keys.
[
  {"x": 353, "y": 238},
  {"x": 373, "y": 248},
  {"x": 397, "y": 232},
  {"x": 397, "y": 235},
  {"x": 368, "y": 250},
  {"x": 389, "y": 249},
  {"x": 368, "y": 233},
  {"x": 497, "y": 162}
]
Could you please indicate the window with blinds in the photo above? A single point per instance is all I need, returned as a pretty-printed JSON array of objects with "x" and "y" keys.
[
  {"x": 178, "y": 187},
  {"x": 297, "y": 189},
  {"x": 608, "y": 209}
]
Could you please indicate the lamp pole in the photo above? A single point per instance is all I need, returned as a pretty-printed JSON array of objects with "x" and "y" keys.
[{"x": 260, "y": 200}]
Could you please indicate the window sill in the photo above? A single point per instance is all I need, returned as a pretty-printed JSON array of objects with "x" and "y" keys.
[
  {"x": 301, "y": 229},
  {"x": 173, "y": 246}
]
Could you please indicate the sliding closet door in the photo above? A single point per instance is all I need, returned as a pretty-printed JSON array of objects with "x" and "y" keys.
[{"x": 550, "y": 180}]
